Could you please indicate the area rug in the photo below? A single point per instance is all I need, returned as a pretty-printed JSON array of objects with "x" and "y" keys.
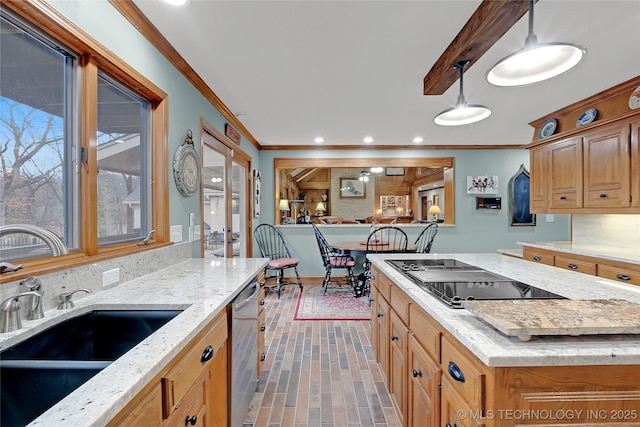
[{"x": 334, "y": 305}]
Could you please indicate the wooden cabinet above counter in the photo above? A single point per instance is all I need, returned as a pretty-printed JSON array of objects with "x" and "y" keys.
[{"x": 590, "y": 169}]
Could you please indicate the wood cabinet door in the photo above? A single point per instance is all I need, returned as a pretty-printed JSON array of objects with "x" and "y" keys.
[
  {"x": 607, "y": 158},
  {"x": 565, "y": 169},
  {"x": 423, "y": 394},
  {"x": 373, "y": 301},
  {"x": 456, "y": 411},
  {"x": 398, "y": 364},
  {"x": 382, "y": 314},
  {"x": 635, "y": 163},
  {"x": 539, "y": 185}
]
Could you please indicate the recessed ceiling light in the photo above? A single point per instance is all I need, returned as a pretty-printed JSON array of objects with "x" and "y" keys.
[
  {"x": 376, "y": 169},
  {"x": 241, "y": 115},
  {"x": 176, "y": 2},
  {"x": 418, "y": 139},
  {"x": 368, "y": 140},
  {"x": 318, "y": 140}
]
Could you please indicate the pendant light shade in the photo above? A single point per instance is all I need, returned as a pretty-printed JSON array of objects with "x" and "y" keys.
[
  {"x": 462, "y": 113},
  {"x": 536, "y": 61}
]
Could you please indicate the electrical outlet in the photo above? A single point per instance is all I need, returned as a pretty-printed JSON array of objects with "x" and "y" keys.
[
  {"x": 110, "y": 277},
  {"x": 550, "y": 218}
]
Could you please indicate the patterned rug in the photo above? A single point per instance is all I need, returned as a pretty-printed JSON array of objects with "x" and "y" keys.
[{"x": 334, "y": 305}]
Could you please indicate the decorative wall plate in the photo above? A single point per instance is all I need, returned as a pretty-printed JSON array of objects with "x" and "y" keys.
[
  {"x": 186, "y": 167},
  {"x": 634, "y": 99},
  {"x": 587, "y": 117},
  {"x": 548, "y": 128}
]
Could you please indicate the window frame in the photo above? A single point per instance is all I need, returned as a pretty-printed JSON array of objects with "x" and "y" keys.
[{"x": 95, "y": 57}]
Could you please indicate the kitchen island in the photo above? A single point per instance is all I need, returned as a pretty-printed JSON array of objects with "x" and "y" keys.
[
  {"x": 201, "y": 288},
  {"x": 445, "y": 365}
]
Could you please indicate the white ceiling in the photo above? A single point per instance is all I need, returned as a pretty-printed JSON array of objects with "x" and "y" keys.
[{"x": 347, "y": 69}]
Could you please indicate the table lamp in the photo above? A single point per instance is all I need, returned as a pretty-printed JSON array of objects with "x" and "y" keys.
[
  {"x": 320, "y": 208},
  {"x": 435, "y": 211},
  {"x": 284, "y": 208}
]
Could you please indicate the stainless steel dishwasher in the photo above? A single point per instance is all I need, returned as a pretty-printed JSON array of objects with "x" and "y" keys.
[{"x": 244, "y": 352}]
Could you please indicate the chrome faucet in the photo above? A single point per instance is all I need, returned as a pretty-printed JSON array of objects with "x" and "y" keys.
[
  {"x": 35, "y": 302},
  {"x": 64, "y": 300},
  {"x": 10, "y": 312},
  {"x": 55, "y": 244}
]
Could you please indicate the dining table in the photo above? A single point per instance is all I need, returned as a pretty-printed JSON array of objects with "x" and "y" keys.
[{"x": 360, "y": 248}]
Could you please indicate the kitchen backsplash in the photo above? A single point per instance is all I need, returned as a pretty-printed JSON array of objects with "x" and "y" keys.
[
  {"x": 620, "y": 231},
  {"x": 90, "y": 276}
]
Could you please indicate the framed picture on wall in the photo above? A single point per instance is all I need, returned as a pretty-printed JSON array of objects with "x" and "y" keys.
[
  {"x": 257, "y": 178},
  {"x": 352, "y": 188},
  {"x": 394, "y": 171}
]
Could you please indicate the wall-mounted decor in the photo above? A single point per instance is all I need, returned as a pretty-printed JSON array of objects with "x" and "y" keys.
[
  {"x": 519, "y": 212},
  {"x": 186, "y": 167},
  {"x": 482, "y": 184},
  {"x": 394, "y": 171},
  {"x": 352, "y": 187},
  {"x": 257, "y": 178},
  {"x": 232, "y": 133}
]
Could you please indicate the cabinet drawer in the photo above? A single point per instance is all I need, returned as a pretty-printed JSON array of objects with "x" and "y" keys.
[
  {"x": 193, "y": 408},
  {"x": 538, "y": 256},
  {"x": 191, "y": 363},
  {"x": 384, "y": 285},
  {"x": 400, "y": 303},
  {"x": 619, "y": 274},
  {"x": 145, "y": 410},
  {"x": 425, "y": 330},
  {"x": 463, "y": 375},
  {"x": 575, "y": 265}
]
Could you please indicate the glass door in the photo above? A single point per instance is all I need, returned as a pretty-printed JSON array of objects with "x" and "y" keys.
[{"x": 224, "y": 208}]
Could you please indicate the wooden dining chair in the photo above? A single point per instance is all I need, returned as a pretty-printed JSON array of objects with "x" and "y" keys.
[
  {"x": 426, "y": 237},
  {"x": 272, "y": 246},
  {"x": 332, "y": 260},
  {"x": 387, "y": 239}
]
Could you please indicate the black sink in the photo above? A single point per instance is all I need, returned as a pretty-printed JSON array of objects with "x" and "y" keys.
[{"x": 40, "y": 371}]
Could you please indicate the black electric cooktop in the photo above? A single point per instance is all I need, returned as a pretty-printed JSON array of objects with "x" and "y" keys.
[{"x": 453, "y": 282}]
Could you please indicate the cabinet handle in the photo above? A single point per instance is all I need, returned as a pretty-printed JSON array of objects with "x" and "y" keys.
[
  {"x": 262, "y": 357},
  {"x": 380, "y": 314},
  {"x": 455, "y": 372},
  {"x": 207, "y": 354},
  {"x": 193, "y": 420},
  {"x": 603, "y": 195},
  {"x": 417, "y": 374},
  {"x": 262, "y": 301},
  {"x": 263, "y": 328},
  {"x": 394, "y": 338},
  {"x": 573, "y": 266},
  {"x": 563, "y": 198},
  {"x": 623, "y": 277},
  {"x": 536, "y": 258},
  {"x": 262, "y": 284}
]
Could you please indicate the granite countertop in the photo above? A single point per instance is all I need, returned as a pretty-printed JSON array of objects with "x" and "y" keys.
[
  {"x": 496, "y": 349},
  {"x": 200, "y": 287},
  {"x": 598, "y": 251}
]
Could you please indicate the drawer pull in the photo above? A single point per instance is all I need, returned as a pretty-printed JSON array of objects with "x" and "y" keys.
[
  {"x": 262, "y": 357},
  {"x": 573, "y": 266},
  {"x": 191, "y": 420},
  {"x": 380, "y": 314},
  {"x": 263, "y": 328},
  {"x": 262, "y": 284},
  {"x": 563, "y": 198},
  {"x": 394, "y": 338},
  {"x": 537, "y": 258},
  {"x": 602, "y": 196},
  {"x": 262, "y": 301},
  {"x": 623, "y": 277},
  {"x": 207, "y": 354},
  {"x": 455, "y": 372},
  {"x": 417, "y": 374}
]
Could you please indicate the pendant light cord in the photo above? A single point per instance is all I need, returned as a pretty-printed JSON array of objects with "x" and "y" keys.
[
  {"x": 460, "y": 66},
  {"x": 531, "y": 40}
]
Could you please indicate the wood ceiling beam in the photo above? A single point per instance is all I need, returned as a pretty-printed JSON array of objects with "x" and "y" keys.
[{"x": 491, "y": 20}]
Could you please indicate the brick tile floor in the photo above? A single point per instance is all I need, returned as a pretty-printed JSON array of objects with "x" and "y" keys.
[{"x": 318, "y": 373}]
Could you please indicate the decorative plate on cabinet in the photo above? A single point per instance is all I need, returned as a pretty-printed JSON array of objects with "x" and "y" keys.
[
  {"x": 634, "y": 99},
  {"x": 548, "y": 128},
  {"x": 587, "y": 117}
]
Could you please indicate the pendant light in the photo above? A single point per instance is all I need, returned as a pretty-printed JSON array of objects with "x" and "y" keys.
[
  {"x": 462, "y": 113},
  {"x": 536, "y": 61}
]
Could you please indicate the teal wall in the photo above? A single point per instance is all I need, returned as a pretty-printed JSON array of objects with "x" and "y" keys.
[
  {"x": 474, "y": 231},
  {"x": 186, "y": 104}
]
